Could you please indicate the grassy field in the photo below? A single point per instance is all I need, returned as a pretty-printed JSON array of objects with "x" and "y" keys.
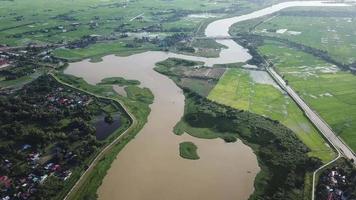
[
  {"x": 97, "y": 50},
  {"x": 329, "y": 91},
  {"x": 329, "y": 29},
  {"x": 43, "y": 21},
  {"x": 118, "y": 21},
  {"x": 188, "y": 150},
  {"x": 186, "y": 75},
  {"x": 237, "y": 89}
]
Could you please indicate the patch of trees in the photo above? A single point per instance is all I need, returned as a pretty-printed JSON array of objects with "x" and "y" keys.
[
  {"x": 65, "y": 17},
  {"x": 172, "y": 40},
  {"x": 64, "y": 134},
  {"x": 82, "y": 42},
  {"x": 18, "y": 70},
  {"x": 252, "y": 41},
  {"x": 281, "y": 154}
]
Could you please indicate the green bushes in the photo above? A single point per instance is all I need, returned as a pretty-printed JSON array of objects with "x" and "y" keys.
[{"x": 188, "y": 150}]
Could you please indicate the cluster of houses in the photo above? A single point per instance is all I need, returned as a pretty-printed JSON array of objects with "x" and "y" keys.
[
  {"x": 64, "y": 98},
  {"x": 23, "y": 187},
  {"x": 334, "y": 185},
  {"x": 4, "y": 59},
  {"x": 29, "y": 55}
]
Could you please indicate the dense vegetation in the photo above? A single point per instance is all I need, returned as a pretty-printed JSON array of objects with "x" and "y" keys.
[
  {"x": 188, "y": 150},
  {"x": 190, "y": 74},
  {"x": 118, "y": 81},
  {"x": 137, "y": 103},
  {"x": 282, "y": 156},
  {"x": 47, "y": 124}
]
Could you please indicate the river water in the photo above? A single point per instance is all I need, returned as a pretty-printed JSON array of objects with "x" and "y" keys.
[{"x": 149, "y": 167}]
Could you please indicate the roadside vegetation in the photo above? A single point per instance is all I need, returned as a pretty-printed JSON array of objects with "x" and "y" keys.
[
  {"x": 188, "y": 150},
  {"x": 314, "y": 55},
  {"x": 320, "y": 67},
  {"x": 238, "y": 89},
  {"x": 317, "y": 65},
  {"x": 322, "y": 85}
]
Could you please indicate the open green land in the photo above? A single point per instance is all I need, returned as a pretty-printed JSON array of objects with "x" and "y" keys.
[
  {"x": 190, "y": 74},
  {"x": 324, "y": 87},
  {"x": 122, "y": 27},
  {"x": 238, "y": 90},
  {"x": 96, "y": 51},
  {"x": 329, "y": 29},
  {"x": 188, "y": 150}
]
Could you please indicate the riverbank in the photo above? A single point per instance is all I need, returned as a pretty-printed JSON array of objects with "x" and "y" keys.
[{"x": 90, "y": 180}]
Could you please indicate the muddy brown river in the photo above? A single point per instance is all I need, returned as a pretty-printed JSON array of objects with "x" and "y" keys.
[{"x": 149, "y": 167}]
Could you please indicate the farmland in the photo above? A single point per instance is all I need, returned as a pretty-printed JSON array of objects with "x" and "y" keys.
[
  {"x": 315, "y": 54},
  {"x": 328, "y": 90},
  {"x": 331, "y": 30},
  {"x": 238, "y": 90},
  {"x": 132, "y": 25}
]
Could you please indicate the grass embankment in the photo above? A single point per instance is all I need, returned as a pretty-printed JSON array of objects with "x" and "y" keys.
[
  {"x": 188, "y": 150},
  {"x": 238, "y": 90},
  {"x": 96, "y": 51},
  {"x": 327, "y": 90},
  {"x": 137, "y": 103},
  {"x": 118, "y": 81}
]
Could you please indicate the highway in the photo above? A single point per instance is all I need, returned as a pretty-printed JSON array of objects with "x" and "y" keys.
[{"x": 322, "y": 126}]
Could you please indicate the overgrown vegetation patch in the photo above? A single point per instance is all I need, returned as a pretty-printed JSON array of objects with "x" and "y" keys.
[
  {"x": 188, "y": 150},
  {"x": 191, "y": 74}
]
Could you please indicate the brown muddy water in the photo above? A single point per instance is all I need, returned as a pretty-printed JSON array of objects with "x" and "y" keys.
[{"x": 149, "y": 167}]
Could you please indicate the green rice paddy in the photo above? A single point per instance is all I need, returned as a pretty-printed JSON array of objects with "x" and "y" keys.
[
  {"x": 237, "y": 89},
  {"x": 329, "y": 91}
]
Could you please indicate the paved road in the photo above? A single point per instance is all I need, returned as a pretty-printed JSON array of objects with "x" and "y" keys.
[{"x": 323, "y": 127}]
